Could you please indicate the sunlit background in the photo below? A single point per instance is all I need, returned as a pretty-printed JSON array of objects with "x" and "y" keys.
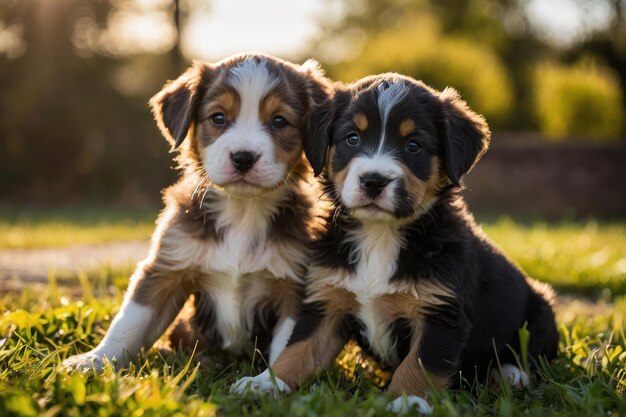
[{"x": 548, "y": 75}]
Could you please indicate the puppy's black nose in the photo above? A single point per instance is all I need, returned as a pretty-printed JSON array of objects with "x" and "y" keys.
[
  {"x": 243, "y": 160},
  {"x": 373, "y": 183}
]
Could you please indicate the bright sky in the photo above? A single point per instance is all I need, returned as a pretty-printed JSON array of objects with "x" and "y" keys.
[
  {"x": 219, "y": 28},
  {"x": 283, "y": 27},
  {"x": 279, "y": 27},
  {"x": 564, "y": 21}
]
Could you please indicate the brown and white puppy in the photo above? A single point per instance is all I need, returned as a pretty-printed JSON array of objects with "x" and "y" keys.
[
  {"x": 234, "y": 231},
  {"x": 401, "y": 265}
]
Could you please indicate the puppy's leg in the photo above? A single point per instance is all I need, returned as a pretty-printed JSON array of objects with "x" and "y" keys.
[
  {"x": 288, "y": 301},
  {"x": 316, "y": 341},
  {"x": 432, "y": 361},
  {"x": 282, "y": 334},
  {"x": 150, "y": 304}
]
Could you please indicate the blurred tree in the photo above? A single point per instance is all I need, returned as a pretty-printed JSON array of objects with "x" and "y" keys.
[
  {"x": 74, "y": 122},
  {"x": 487, "y": 49},
  {"x": 415, "y": 46},
  {"x": 580, "y": 100},
  {"x": 607, "y": 42},
  {"x": 495, "y": 31}
]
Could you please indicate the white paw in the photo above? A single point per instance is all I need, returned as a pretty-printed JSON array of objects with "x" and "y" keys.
[
  {"x": 513, "y": 376},
  {"x": 261, "y": 383},
  {"x": 84, "y": 362},
  {"x": 402, "y": 405}
]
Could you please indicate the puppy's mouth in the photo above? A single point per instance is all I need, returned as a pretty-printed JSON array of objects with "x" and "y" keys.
[
  {"x": 371, "y": 208},
  {"x": 243, "y": 186},
  {"x": 243, "y": 182},
  {"x": 372, "y": 212}
]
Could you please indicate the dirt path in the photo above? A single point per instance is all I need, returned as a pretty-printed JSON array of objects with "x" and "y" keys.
[{"x": 19, "y": 267}]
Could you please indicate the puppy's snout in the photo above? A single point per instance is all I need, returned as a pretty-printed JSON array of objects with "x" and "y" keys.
[
  {"x": 373, "y": 183},
  {"x": 243, "y": 161}
]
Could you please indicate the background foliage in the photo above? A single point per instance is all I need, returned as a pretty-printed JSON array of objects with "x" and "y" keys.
[{"x": 74, "y": 123}]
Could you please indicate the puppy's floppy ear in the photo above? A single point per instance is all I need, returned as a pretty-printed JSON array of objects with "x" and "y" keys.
[
  {"x": 318, "y": 84},
  {"x": 316, "y": 129},
  {"x": 312, "y": 67},
  {"x": 175, "y": 106},
  {"x": 316, "y": 138},
  {"x": 466, "y": 135}
]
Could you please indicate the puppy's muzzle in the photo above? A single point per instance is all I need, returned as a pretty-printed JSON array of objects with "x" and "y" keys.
[
  {"x": 373, "y": 183},
  {"x": 243, "y": 161}
]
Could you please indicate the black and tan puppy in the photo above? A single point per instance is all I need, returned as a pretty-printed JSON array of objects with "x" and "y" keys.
[
  {"x": 401, "y": 266},
  {"x": 233, "y": 233}
]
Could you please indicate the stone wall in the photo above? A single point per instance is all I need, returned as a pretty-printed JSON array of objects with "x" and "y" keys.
[{"x": 523, "y": 175}]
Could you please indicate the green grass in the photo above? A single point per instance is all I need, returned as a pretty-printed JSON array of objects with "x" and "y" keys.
[
  {"x": 586, "y": 258},
  {"x": 27, "y": 228},
  {"x": 44, "y": 324},
  {"x": 588, "y": 377}
]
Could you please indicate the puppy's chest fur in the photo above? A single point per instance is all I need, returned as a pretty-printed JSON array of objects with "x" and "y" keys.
[
  {"x": 237, "y": 257},
  {"x": 388, "y": 310},
  {"x": 373, "y": 254}
]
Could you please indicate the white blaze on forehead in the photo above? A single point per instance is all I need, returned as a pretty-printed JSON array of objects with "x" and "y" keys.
[
  {"x": 252, "y": 80},
  {"x": 389, "y": 94}
]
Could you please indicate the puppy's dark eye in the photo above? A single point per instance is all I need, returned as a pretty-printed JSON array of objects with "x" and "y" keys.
[
  {"x": 218, "y": 119},
  {"x": 353, "y": 139},
  {"x": 413, "y": 146},
  {"x": 279, "y": 122}
]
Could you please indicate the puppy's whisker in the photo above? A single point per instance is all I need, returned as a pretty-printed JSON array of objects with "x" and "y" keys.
[
  {"x": 288, "y": 189},
  {"x": 205, "y": 192},
  {"x": 429, "y": 211},
  {"x": 202, "y": 182}
]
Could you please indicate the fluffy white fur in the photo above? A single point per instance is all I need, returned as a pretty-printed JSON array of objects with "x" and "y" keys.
[
  {"x": 123, "y": 339},
  {"x": 403, "y": 405},
  {"x": 387, "y": 99},
  {"x": 281, "y": 337},
  {"x": 513, "y": 376},
  {"x": 262, "y": 383},
  {"x": 378, "y": 247},
  {"x": 353, "y": 195}
]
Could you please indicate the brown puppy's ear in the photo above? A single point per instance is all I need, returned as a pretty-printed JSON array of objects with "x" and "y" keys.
[
  {"x": 175, "y": 106},
  {"x": 318, "y": 84},
  {"x": 466, "y": 135}
]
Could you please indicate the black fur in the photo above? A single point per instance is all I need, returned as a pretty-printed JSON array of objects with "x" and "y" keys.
[
  {"x": 309, "y": 318},
  {"x": 464, "y": 133},
  {"x": 491, "y": 299}
]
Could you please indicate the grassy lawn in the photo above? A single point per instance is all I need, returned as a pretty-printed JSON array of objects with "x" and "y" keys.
[
  {"x": 32, "y": 228},
  {"x": 42, "y": 325}
]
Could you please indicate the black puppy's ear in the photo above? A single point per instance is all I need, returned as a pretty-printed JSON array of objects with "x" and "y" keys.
[
  {"x": 316, "y": 128},
  {"x": 175, "y": 106},
  {"x": 316, "y": 139},
  {"x": 466, "y": 135}
]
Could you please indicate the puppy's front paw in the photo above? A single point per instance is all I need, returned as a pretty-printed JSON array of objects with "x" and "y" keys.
[
  {"x": 261, "y": 383},
  {"x": 402, "y": 405},
  {"x": 84, "y": 362},
  {"x": 513, "y": 376}
]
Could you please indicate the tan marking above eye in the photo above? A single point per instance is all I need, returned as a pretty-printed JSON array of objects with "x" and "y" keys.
[
  {"x": 273, "y": 105},
  {"x": 227, "y": 102},
  {"x": 360, "y": 121},
  {"x": 407, "y": 127}
]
